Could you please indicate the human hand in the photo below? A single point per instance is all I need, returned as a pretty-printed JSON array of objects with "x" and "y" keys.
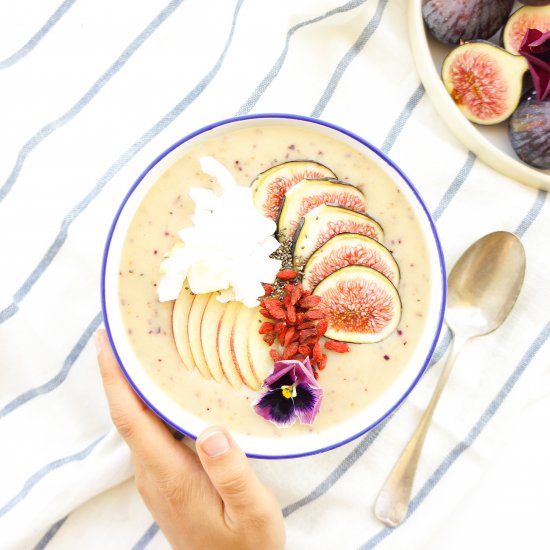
[{"x": 211, "y": 499}]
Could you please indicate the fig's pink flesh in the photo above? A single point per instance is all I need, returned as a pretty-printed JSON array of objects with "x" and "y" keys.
[
  {"x": 279, "y": 186},
  {"x": 347, "y": 226},
  {"x": 479, "y": 85},
  {"x": 341, "y": 198},
  {"x": 349, "y": 255},
  {"x": 358, "y": 305}
]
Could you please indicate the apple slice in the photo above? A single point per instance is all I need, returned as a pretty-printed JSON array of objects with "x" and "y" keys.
[
  {"x": 180, "y": 316},
  {"x": 260, "y": 360},
  {"x": 228, "y": 362},
  {"x": 210, "y": 327},
  {"x": 194, "y": 332},
  {"x": 239, "y": 345}
]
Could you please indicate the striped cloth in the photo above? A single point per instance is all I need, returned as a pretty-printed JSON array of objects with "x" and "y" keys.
[{"x": 90, "y": 92}]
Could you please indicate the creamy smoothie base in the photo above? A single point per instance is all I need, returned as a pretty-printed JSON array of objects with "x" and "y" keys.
[{"x": 351, "y": 381}]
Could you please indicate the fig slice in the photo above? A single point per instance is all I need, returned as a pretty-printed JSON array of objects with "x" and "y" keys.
[
  {"x": 308, "y": 194},
  {"x": 349, "y": 249},
  {"x": 527, "y": 17},
  {"x": 362, "y": 305},
  {"x": 485, "y": 81},
  {"x": 324, "y": 222},
  {"x": 269, "y": 187}
]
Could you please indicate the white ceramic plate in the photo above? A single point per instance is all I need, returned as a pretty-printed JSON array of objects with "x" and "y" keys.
[
  {"x": 489, "y": 143},
  {"x": 264, "y": 447}
]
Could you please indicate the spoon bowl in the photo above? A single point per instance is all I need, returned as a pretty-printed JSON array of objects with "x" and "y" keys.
[
  {"x": 482, "y": 289},
  {"x": 484, "y": 284}
]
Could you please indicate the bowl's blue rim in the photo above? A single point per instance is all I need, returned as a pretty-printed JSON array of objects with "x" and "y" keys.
[{"x": 319, "y": 122}]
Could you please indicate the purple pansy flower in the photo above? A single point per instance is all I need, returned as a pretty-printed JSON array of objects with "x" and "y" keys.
[
  {"x": 289, "y": 393},
  {"x": 535, "y": 47}
]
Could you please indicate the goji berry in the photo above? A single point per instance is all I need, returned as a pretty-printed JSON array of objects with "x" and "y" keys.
[
  {"x": 282, "y": 335},
  {"x": 306, "y": 325},
  {"x": 315, "y": 314},
  {"x": 278, "y": 313},
  {"x": 290, "y": 351},
  {"x": 299, "y": 317},
  {"x": 340, "y": 347},
  {"x": 323, "y": 362},
  {"x": 265, "y": 313},
  {"x": 289, "y": 336},
  {"x": 290, "y": 315},
  {"x": 310, "y": 301},
  {"x": 311, "y": 340},
  {"x": 317, "y": 352},
  {"x": 295, "y": 293},
  {"x": 268, "y": 289},
  {"x": 287, "y": 274},
  {"x": 266, "y": 327},
  {"x": 278, "y": 327},
  {"x": 305, "y": 334},
  {"x": 273, "y": 305},
  {"x": 275, "y": 355},
  {"x": 304, "y": 350},
  {"x": 322, "y": 326},
  {"x": 269, "y": 338}
]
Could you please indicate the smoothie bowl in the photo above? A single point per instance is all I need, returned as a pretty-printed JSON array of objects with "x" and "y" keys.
[{"x": 276, "y": 275}]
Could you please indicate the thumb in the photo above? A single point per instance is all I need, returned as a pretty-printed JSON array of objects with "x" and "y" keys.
[{"x": 233, "y": 478}]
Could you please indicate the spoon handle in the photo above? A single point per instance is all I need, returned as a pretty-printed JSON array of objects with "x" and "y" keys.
[{"x": 392, "y": 502}]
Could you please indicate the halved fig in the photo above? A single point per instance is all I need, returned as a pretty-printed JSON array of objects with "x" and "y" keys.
[
  {"x": 527, "y": 17},
  {"x": 362, "y": 305},
  {"x": 529, "y": 131},
  {"x": 453, "y": 21},
  {"x": 349, "y": 249},
  {"x": 269, "y": 188},
  {"x": 324, "y": 222},
  {"x": 308, "y": 194},
  {"x": 485, "y": 81}
]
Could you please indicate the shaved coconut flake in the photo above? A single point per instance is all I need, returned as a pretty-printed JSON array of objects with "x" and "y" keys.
[{"x": 228, "y": 247}]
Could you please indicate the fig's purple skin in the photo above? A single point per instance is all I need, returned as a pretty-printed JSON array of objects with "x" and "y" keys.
[
  {"x": 451, "y": 21},
  {"x": 529, "y": 130}
]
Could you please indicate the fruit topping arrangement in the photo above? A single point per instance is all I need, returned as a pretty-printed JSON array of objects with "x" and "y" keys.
[
  {"x": 498, "y": 59},
  {"x": 326, "y": 282}
]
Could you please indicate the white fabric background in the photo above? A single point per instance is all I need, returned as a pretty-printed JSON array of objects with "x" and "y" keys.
[{"x": 90, "y": 92}]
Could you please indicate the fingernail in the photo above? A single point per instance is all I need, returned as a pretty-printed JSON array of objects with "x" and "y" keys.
[
  {"x": 215, "y": 444},
  {"x": 97, "y": 342}
]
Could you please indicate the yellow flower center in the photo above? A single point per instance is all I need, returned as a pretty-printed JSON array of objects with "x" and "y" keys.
[{"x": 289, "y": 391}]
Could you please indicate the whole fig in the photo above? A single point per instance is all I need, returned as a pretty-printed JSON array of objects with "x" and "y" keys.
[
  {"x": 529, "y": 131},
  {"x": 451, "y": 21}
]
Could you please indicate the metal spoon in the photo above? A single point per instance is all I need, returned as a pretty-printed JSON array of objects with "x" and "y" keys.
[{"x": 482, "y": 289}]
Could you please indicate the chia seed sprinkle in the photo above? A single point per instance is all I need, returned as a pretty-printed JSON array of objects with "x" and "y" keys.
[{"x": 284, "y": 254}]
